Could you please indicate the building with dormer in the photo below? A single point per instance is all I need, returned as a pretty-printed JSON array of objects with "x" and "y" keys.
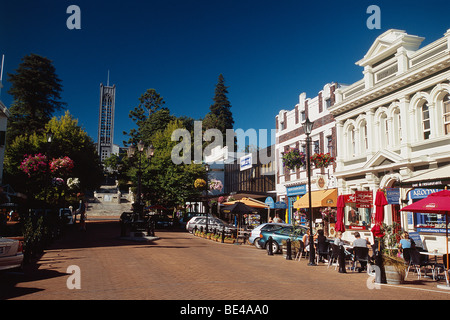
[{"x": 393, "y": 127}]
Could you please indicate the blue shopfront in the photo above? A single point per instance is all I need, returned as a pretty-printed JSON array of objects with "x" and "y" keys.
[
  {"x": 293, "y": 194},
  {"x": 425, "y": 222}
]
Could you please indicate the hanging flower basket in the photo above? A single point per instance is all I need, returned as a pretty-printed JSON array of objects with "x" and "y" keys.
[
  {"x": 293, "y": 159},
  {"x": 199, "y": 183},
  {"x": 61, "y": 165},
  {"x": 215, "y": 185},
  {"x": 32, "y": 164},
  {"x": 322, "y": 160}
]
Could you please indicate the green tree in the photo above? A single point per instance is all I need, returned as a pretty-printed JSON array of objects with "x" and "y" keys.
[
  {"x": 220, "y": 115},
  {"x": 165, "y": 182},
  {"x": 149, "y": 103},
  {"x": 36, "y": 90}
]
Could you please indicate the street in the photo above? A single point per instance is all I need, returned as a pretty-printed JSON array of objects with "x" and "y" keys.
[{"x": 180, "y": 266}]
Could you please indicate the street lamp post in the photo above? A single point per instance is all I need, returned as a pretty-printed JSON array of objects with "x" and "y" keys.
[
  {"x": 307, "y": 126},
  {"x": 207, "y": 206},
  {"x": 149, "y": 154}
]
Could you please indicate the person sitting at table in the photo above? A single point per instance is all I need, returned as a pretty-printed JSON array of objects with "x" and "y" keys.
[
  {"x": 322, "y": 243},
  {"x": 359, "y": 242},
  {"x": 405, "y": 242}
]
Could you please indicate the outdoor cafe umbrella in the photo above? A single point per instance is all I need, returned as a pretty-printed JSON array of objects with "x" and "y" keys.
[
  {"x": 238, "y": 208},
  {"x": 438, "y": 202},
  {"x": 340, "y": 214},
  {"x": 380, "y": 202}
]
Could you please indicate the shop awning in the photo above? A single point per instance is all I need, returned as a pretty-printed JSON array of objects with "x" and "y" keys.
[
  {"x": 321, "y": 198},
  {"x": 250, "y": 202}
]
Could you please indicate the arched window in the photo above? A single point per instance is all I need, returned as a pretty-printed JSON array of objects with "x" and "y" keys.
[
  {"x": 352, "y": 141},
  {"x": 426, "y": 127},
  {"x": 446, "y": 113}
]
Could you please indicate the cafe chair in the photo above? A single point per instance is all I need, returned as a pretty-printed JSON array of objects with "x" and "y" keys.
[
  {"x": 443, "y": 266},
  {"x": 334, "y": 256},
  {"x": 322, "y": 251},
  {"x": 413, "y": 258},
  {"x": 361, "y": 255}
]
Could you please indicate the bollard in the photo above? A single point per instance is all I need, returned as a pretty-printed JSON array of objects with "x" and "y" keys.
[
  {"x": 223, "y": 235},
  {"x": 288, "y": 247},
  {"x": 269, "y": 247}
]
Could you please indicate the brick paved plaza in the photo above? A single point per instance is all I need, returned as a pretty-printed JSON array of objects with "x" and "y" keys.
[{"x": 180, "y": 266}]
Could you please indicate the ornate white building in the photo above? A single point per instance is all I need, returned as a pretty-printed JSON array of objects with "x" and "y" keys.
[{"x": 394, "y": 124}]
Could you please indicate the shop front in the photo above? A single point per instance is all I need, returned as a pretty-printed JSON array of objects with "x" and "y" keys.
[
  {"x": 323, "y": 204},
  {"x": 293, "y": 194}
]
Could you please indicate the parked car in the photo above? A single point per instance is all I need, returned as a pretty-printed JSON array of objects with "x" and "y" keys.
[
  {"x": 191, "y": 223},
  {"x": 255, "y": 235},
  {"x": 213, "y": 223},
  {"x": 278, "y": 235},
  {"x": 11, "y": 256},
  {"x": 188, "y": 216}
]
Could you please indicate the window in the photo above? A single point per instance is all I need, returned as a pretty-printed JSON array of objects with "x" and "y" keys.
[
  {"x": 426, "y": 122},
  {"x": 447, "y": 114},
  {"x": 328, "y": 103},
  {"x": 330, "y": 145},
  {"x": 303, "y": 115},
  {"x": 397, "y": 128},
  {"x": 316, "y": 146}
]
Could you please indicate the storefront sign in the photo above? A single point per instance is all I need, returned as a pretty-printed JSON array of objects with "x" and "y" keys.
[
  {"x": 269, "y": 201},
  {"x": 350, "y": 198},
  {"x": 280, "y": 205},
  {"x": 246, "y": 162},
  {"x": 393, "y": 195},
  {"x": 421, "y": 193},
  {"x": 297, "y": 190},
  {"x": 364, "y": 199}
]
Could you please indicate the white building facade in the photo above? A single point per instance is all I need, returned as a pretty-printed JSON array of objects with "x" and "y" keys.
[
  {"x": 393, "y": 125},
  {"x": 292, "y": 184}
]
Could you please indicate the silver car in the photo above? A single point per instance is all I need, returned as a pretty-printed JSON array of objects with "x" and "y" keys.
[
  {"x": 213, "y": 223},
  {"x": 11, "y": 255},
  {"x": 255, "y": 235}
]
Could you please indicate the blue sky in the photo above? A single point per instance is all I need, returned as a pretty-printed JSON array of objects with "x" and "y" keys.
[{"x": 268, "y": 51}]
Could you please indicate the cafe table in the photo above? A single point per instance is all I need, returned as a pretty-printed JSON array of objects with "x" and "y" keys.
[{"x": 434, "y": 254}]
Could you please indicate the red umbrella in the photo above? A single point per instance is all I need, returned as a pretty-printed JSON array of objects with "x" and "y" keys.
[
  {"x": 380, "y": 202},
  {"x": 340, "y": 214},
  {"x": 438, "y": 202}
]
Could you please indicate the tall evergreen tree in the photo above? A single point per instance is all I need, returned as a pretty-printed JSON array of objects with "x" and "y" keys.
[
  {"x": 36, "y": 90},
  {"x": 220, "y": 115}
]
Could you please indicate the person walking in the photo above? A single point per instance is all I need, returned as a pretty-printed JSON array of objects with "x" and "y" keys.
[{"x": 82, "y": 211}]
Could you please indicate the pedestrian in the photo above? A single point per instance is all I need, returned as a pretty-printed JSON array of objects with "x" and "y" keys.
[
  {"x": 270, "y": 220},
  {"x": 82, "y": 211},
  {"x": 277, "y": 219}
]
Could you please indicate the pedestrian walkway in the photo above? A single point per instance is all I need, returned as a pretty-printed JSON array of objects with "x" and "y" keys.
[{"x": 180, "y": 266}]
